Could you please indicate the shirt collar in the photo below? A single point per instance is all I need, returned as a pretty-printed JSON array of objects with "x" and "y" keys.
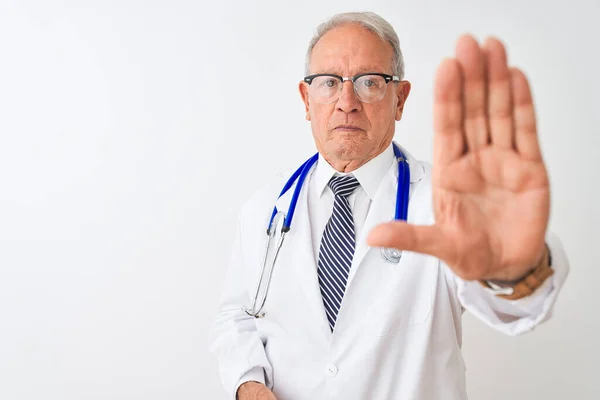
[{"x": 369, "y": 175}]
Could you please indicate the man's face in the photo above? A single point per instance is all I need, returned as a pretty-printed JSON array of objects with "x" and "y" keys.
[{"x": 348, "y": 133}]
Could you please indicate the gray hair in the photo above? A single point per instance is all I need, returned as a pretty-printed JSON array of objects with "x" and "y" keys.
[{"x": 368, "y": 20}]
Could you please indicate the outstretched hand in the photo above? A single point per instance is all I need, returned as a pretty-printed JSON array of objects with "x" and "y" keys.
[{"x": 491, "y": 194}]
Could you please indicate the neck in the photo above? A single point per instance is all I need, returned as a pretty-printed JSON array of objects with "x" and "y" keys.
[{"x": 348, "y": 165}]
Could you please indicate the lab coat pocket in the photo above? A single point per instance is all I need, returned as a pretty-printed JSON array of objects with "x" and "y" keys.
[{"x": 404, "y": 295}]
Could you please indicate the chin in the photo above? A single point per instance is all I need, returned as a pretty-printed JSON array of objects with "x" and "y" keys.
[{"x": 348, "y": 149}]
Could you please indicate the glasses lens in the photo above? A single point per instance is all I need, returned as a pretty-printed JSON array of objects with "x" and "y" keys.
[
  {"x": 325, "y": 89},
  {"x": 370, "y": 88}
]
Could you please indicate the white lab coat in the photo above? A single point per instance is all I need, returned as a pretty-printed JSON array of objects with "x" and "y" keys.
[{"x": 398, "y": 332}]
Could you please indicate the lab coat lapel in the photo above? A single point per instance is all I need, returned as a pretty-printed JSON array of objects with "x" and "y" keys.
[
  {"x": 383, "y": 207},
  {"x": 299, "y": 254},
  {"x": 381, "y": 210}
]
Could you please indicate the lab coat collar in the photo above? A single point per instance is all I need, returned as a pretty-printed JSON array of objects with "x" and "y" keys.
[{"x": 416, "y": 168}]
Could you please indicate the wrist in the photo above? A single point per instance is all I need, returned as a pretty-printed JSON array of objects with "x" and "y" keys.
[
  {"x": 511, "y": 278},
  {"x": 527, "y": 283}
]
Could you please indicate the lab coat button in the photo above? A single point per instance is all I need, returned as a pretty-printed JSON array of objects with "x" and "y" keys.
[{"x": 331, "y": 371}]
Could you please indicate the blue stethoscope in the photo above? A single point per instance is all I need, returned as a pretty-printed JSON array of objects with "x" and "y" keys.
[{"x": 281, "y": 223}]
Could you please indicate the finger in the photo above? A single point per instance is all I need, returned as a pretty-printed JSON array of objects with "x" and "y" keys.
[
  {"x": 499, "y": 103},
  {"x": 403, "y": 236},
  {"x": 449, "y": 143},
  {"x": 524, "y": 117},
  {"x": 471, "y": 61}
]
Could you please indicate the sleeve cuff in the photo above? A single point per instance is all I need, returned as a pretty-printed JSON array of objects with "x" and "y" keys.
[
  {"x": 514, "y": 317},
  {"x": 255, "y": 374}
]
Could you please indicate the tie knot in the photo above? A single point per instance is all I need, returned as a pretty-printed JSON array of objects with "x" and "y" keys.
[{"x": 343, "y": 185}]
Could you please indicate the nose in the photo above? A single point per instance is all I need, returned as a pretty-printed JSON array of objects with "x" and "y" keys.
[{"x": 348, "y": 101}]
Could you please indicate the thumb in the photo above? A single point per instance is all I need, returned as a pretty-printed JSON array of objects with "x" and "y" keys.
[{"x": 427, "y": 239}]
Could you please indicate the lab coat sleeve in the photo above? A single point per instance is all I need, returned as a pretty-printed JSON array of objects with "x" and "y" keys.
[
  {"x": 235, "y": 340},
  {"x": 514, "y": 317}
]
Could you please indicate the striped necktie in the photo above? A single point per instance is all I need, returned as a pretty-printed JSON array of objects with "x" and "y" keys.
[{"x": 337, "y": 247}]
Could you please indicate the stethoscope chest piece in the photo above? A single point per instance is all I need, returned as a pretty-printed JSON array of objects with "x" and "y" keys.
[{"x": 391, "y": 255}]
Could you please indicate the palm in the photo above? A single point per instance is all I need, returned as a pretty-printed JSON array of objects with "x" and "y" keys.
[
  {"x": 492, "y": 209},
  {"x": 490, "y": 186}
]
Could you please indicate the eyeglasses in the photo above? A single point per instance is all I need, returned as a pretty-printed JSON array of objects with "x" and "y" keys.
[{"x": 369, "y": 88}]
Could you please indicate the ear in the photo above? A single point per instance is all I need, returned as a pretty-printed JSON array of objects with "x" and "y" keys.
[
  {"x": 303, "y": 88},
  {"x": 402, "y": 92}
]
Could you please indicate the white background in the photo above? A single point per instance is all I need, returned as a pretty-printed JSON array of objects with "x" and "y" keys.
[{"x": 131, "y": 132}]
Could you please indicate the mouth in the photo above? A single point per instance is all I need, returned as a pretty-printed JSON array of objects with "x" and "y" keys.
[{"x": 347, "y": 128}]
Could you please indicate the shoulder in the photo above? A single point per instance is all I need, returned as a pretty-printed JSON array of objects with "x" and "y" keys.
[
  {"x": 421, "y": 197},
  {"x": 261, "y": 202}
]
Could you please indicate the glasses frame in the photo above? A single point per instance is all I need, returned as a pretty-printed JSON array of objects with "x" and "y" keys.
[{"x": 388, "y": 78}]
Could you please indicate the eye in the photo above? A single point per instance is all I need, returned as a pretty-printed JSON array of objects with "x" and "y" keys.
[
  {"x": 330, "y": 82},
  {"x": 369, "y": 83}
]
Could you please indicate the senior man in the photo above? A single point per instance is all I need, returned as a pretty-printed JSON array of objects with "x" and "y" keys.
[{"x": 343, "y": 321}]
